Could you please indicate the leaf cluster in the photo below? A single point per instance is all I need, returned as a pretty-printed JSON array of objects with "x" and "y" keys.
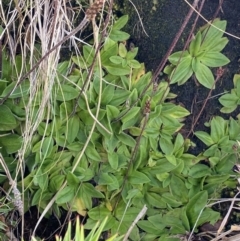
[
  {"x": 136, "y": 155},
  {"x": 230, "y": 101},
  {"x": 202, "y": 54}
]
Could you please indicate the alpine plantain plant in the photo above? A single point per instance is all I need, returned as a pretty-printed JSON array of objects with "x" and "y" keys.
[
  {"x": 230, "y": 101},
  {"x": 135, "y": 155},
  {"x": 203, "y": 52}
]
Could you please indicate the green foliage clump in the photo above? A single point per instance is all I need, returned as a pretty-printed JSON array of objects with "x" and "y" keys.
[
  {"x": 203, "y": 52},
  {"x": 230, "y": 101},
  {"x": 135, "y": 155}
]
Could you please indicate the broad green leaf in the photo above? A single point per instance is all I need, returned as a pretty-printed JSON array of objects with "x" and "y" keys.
[
  {"x": 91, "y": 190},
  {"x": 20, "y": 91},
  {"x": 211, "y": 151},
  {"x": 40, "y": 196},
  {"x": 172, "y": 159},
  {"x": 72, "y": 179},
  {"x": 213, "y": 161},
  {"x": 110, "y": 49},
  {"x": 11, "y": 143},
  {"x": 110, "y": 180},
  {"x": 129, "y": 214},
  {"x": 172, "y": 220},
  {"x": 92, "y": 153},
  {"x": 56, "y": 182},
  {"x": 134, "y": 64},
  {"x": 195, "y": 207},
  {"x": 82, "y": 172},
  {"x": 234, "y": 129},
  {"x": 107, "y": 94},
  {"x": 219, "y": 44},
  {"x": 88, "y": 53},
  {"x": 72, "y": 128},
  {"x": 178, "y": 188},
  {"x": 182, "y": 72},
  {"x": 117, "y": 70},
  {"x": 195, "y": 64},
  {"x": 47, "y": 146},
  {"x": 7, "y": 120},
  {"x": 142, "y": 81},
  {"x": 226, "y": 164},
  {"x": 132, "y": 53},
  {"x": 184, "y": 219},
  {"x": 137, "y": 177},
  {"x": 112, "y": 112},
  {"x": 122, "y": 50},
  {"x": 65, "y": 195},
  {"x": 126, "y": 139},
  {"x": 218, "y": 179},
  {"x": 171, "y": 200},
  {"x": 176, "y": 57},
  {"x": 156, "y": 221},
  {"x": 205, "y": 76},
  {"x": 228, "y": 110},
  {"x": 214, "y": 59},
  {"x": 236, "y": 80},
  {"x": 130, "y": 114},
  {"x": 212, "y": 33},
  {"x": 195, "y": 44},
  {"x": 149, "y": 228},
  {"x": 155, "y": 200},
  {"x": 41, "y": 179},
  {"x": 166, "y": 145},
  {"x": 66, "y": 93},
  {"x": 121, "y": 22},
  {"x": 118, "y": 35},
  {"x": 229, "y": 100},
  {"x": 113, "y": 160},
  {"x": 199, "y": 170},
  {"x": 116, "y": 59},
  {"x": 178, "y": 143},
  {"x": 79, "y": 206},
  {"x": 98, "y": 213},
  {"x": 209, "y": 215},
  {"x": 79, "y": 61},
  {"x": 75, "y": 146},
  {"x": 218, "y": 128},
  {"x": 174, "y": 111}
]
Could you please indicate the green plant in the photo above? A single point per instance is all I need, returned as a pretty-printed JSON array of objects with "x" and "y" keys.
[
  {"x": 105, "y": 147},
  {"x": 79, "y": 233},
  {"x": 94, "y": 235},
  {"x": 221, "y": 142},
  {"x": 230, "y": 101},
  {"x": 203, "y": 52}
]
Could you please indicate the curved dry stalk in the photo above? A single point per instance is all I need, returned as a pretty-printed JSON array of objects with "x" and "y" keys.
[
  {"x": 139, "y": 18},
  {"x": 17, "y": 201},
  {"x": 96, "y": 44},
  {"x": 209, "y": 22}
]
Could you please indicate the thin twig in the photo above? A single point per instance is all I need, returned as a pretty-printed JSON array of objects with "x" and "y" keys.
[
  {"x": 220, "y": 72},
  {"x": 90, "y": 14},
  {"x": 17, "y": 201},
  {"x": 165, "y": 58},
  {"x": 139, "y": 216}
]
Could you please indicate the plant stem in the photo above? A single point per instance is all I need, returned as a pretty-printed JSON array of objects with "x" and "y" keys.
[{"x": 220, "y": 72}]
